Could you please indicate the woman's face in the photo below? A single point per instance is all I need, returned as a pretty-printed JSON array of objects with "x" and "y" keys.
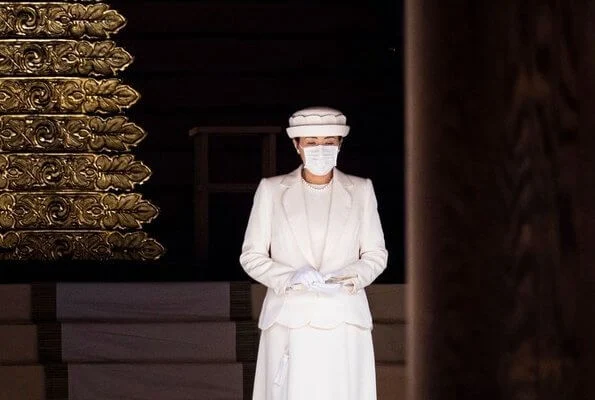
[{"x": 308, "y": 141}]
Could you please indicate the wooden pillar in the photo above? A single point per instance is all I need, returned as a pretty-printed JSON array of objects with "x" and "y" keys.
[
  {"x": 585, "y": 201},
  {"x": 490, "y": 125}
]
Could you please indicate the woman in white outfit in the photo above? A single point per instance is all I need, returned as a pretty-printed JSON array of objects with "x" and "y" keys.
[{"x": 315, "y": 240}]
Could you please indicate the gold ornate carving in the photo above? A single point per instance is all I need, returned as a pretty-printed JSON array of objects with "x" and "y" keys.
[
  {"x": 79, "y": 133},
  {"x": 61, "y": 57},
  {"x": 74, "y": 211},
  {"x": 58, "y": 20},
  {"x": 61, "y": 196},
  {"x": 65, "y": 95},
  {"x": 80, "y": 245},
  {"x": 33, "y": 172}
]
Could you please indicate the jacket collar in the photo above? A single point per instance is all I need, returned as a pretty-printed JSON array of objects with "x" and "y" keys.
[
  {"x": 295, "y": 176},
  {"x": 295, "y": 209}
]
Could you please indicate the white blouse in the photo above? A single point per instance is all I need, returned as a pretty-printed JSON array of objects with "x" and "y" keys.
[{"x": 318, "y": 204}]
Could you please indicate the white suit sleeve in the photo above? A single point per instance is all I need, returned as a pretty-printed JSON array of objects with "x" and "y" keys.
[
  {"x": 255, "y": 258},
  {"x": 373, "y": 254}
]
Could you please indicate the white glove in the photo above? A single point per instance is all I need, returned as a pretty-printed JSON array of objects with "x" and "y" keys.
[
  {"x": 306, "y": 276},
  {"x": 345, "y": 278},
  {"x": 327, "y": 288},
  {"x": 340, "y": 276}
]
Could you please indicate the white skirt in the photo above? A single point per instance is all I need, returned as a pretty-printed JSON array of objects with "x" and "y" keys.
[{"x": 315, "y": 364}]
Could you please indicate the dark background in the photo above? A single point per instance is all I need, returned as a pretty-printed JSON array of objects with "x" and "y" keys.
[{"x": 204, "y": 63}]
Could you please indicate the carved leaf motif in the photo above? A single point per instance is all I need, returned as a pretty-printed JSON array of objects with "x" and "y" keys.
[
  {"x": 94, "y": 20},
  {"x": 108, "y": 96},
  {"x": 151, "y": 250},
  {"x": 7, "y": 202},
  {"x": 102, "y": 58},
  {"x": 130, "y": 134},
  {"x": 94, "y": 28},
  {"x": 64, "y": 57},
  {"x": 57, "y": 20},
  {"x": 134, "y": 246},
  {"x": 128, "y": 221},
  {"x": 114, "y": 134},
  {"x": 27, "y": 212},
  {"x": 116, "y": 57},
  {"x": 109, "y": 141},
  {"x": 72, "y": 96},
  {"x": 138, "y": 172},
  {"x": 75, "y": 134},
  {"x": 100, "y": 88},
  {"x": 120, "y": 172},
  {"x": 91, "y": 210},
  {"x": 145, "y": 211},
  {"x": 127, "y": 211},
  {"x": 113, "y": 21},
  {"x": 125, "y": 245}
]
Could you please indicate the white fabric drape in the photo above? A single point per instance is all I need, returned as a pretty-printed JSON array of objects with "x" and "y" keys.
[{"x": 315, "y": 364}]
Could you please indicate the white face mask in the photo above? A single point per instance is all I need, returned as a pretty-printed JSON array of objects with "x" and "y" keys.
[{"x": 320, "y": 159}]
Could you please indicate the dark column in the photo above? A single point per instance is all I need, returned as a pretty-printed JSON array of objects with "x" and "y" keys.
[
  {"x": 585, "y": 202},
  {"x": 491, "y": 261}
]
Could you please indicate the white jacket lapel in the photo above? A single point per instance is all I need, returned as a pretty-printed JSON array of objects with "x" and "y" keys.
[
  {"x": 341, "y": 205},
  {"x": 294, "y": 205}
]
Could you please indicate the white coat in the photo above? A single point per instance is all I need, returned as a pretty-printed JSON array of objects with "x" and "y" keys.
[{"x": 277, "y": 244}]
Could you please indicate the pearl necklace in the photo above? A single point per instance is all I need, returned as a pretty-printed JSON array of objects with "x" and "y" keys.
[{"x": 316, "y": 186}]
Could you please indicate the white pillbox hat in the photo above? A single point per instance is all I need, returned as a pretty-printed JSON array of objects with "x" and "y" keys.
[{"x": 317, "y": 121}]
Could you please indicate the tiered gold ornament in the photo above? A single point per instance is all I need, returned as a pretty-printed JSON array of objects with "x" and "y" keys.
[{"x": 66, "y": 172}]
